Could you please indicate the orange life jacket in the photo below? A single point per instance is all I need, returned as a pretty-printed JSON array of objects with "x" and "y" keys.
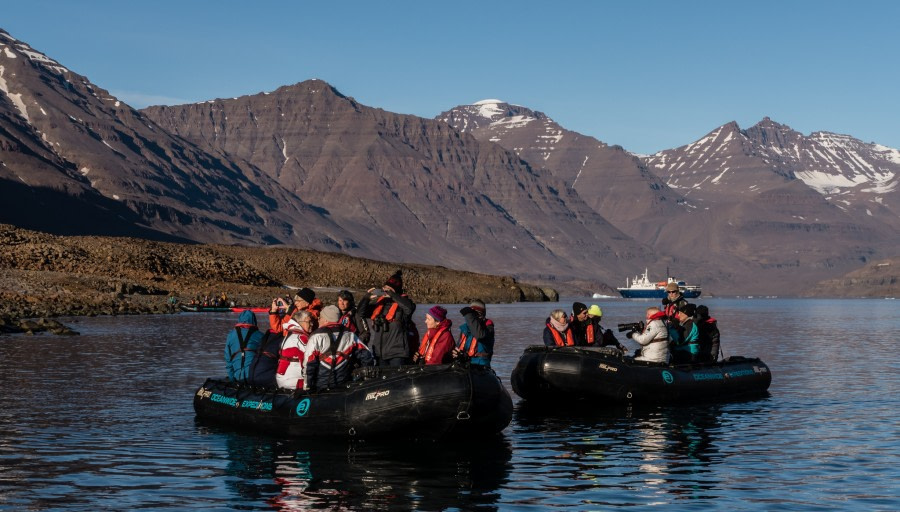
[
  {"x": 463, "y": 340},
  {"x": 570, "y": 339},
  {"x": 589, "y": 334},
  {"x": 392, "y": 311}
]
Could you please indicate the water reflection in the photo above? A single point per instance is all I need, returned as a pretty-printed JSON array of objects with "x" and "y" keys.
[{"x": 303, "y": 475}]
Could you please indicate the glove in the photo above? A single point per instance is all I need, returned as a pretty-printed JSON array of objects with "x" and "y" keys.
[
  {"x": 665, "y": 301},
  {"x": 629, "y": 334},
  {"x": 465, "y": 311}
]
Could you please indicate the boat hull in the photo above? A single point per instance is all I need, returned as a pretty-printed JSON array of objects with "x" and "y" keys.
[
  {"x": 603, "y": 375},
  {"x": 204, "y": 309},
  {"x": 413, "y": 401},
  {"x": 654, "y": 294}
]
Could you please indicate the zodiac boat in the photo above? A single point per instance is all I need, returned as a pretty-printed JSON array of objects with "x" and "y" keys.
[
  {"x": 410, "y": 401},
  {"x": 603, "y": 374}
]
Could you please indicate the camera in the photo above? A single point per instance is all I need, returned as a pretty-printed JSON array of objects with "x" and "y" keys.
[
  {"x": 633, "y": 326},
  {"x": 377, "y": 292}
]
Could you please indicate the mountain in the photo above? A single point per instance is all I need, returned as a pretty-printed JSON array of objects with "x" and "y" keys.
[
  {"x": 79, "y": 161},
  {"x": 428, "y": 192},
  {"x": 736, "y": 203},
  {"x": 615, "y": 183}
]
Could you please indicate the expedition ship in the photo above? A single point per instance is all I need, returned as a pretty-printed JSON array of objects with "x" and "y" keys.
[{"x": 642, "y": 288}]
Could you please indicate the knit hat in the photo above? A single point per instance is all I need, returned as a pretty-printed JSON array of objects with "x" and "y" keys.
[
  {"x": 396, "y": 281},
  {"x": 438, "y": 313},
  {"x": 305, "y": 294},
  {"x": 477, "y": 304},
  {"x": 595, "y": 310},
  {"x": 330, "y": 315},
  {"x": 672, "y": 287},
  {"x": 578, "y": 307}
]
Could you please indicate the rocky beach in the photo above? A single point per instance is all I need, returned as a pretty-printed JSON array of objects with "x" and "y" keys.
[{"x": 46, "y": 276}]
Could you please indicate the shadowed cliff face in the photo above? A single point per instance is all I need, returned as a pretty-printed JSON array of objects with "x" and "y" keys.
[{"x": 412, "y": 184}]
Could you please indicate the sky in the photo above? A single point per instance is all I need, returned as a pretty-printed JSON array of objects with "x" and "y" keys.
[{"x": 646, "y": 75}]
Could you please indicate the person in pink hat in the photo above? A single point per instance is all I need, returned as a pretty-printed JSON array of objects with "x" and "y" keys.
[{"x": 437, "y": 343}]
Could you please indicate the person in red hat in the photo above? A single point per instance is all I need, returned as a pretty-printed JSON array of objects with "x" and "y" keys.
[
  {"x": 437, "y": 342},
  {"x": 387, "y": 312}
]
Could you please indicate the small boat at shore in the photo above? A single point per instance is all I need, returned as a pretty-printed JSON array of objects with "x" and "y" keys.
[
  {"x": 642, "y": 288},
  {"x": 604, "y": 375},
  {"x": 195, "y": 308},
  {"x": 409, "y": 401}
]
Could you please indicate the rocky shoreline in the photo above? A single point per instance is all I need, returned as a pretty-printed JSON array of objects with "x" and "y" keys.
[{"x": 46, "y": 276}]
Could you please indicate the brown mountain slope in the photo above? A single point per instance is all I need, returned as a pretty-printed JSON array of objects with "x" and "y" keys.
[{"x": 428, "y": 192}]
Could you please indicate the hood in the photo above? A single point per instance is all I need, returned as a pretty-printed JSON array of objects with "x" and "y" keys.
[{"x": 247, "y": 317}]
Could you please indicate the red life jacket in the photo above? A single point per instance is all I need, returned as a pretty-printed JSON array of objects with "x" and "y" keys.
[
  {"x": 589, "y": 334},
  {"x": 557, "y": 337},
  {"x": 426, "y": 348}
]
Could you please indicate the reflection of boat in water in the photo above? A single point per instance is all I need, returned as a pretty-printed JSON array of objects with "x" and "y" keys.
[
  {"x": 603, "y": 374},
  {"x": 410, "y": 401},
  {"x": 642, "y": 288}
]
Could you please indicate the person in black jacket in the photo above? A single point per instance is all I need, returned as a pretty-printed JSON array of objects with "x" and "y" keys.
[
  {"x": 708, "y": 335},
  {"x": 387, "y": 312}
]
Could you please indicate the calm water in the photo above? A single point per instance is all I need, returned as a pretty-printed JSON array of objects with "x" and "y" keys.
[{"x": 104, "y": 421}]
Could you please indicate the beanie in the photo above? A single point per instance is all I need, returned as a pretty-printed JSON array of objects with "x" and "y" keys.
[
  {"x": 595, "y": 310},
  {"x": 305, "y": 294},
  {"x": 477, "y": 304},
  {"x": 396, "y": 281},
  {"x": 578, "y": 308},
  {"x": 330, "y": 314},
  {"x": 438, "y": 313}
]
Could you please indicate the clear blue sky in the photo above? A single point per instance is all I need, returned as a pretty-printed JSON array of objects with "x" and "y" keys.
[{"x": 648, "y": 75}]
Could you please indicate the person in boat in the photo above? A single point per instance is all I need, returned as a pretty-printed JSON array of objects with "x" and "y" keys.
[
  {"x": 242, "y": 348},
  {"x": 437, "y": 343},
  {"x": 672, "y": 302},
  {"x": 558, "y": 331},
  {"x": 654, "y": 339},
  {"x": 387, "y": 312},
  {"x": 708, "y": 333},
  {"x": 347, "y": 304},
  {"x": 333, "y": 352},
  {"x": 476, "y": 335},
  {"x": 581, "y": 326},
  {"x": 291, "y": 357},
  {"x": 602, "y": 337},
  {"x": 685, "y": 341}
]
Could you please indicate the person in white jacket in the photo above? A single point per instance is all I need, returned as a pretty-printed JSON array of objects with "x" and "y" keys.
[
  {"x": 654, "y": 339},
  {"x": 291, "y": 371}
]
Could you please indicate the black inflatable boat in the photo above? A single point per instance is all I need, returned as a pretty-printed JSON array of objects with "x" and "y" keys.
[
  {"x": 409, "y": 401},
  {"x": 603, "y": 374}
]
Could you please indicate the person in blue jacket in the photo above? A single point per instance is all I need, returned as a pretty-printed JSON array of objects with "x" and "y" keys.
[{"x": 246, "y": 360}]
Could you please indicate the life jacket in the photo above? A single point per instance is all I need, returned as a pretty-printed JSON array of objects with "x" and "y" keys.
[
  {"x": 464, "y": 340},
  {"x": 589, "y": 334},
  {"x": 379, "y": 306},
  {"x": 426, "y": 348},
  {"x": 557, "y": 337}
]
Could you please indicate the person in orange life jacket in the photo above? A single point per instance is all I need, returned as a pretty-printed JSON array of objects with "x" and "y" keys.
[
  {"x": 603, "y": 337},
  {"x": 654, "y": 339},
  {"x": 333, "y": 352},
  {"x": 387, "y": 313},
  {"x": 476, "y": 335},
  {"x": 437, "y": 343},
  {"x": 558, "y": 331},
  {"x": 708, "y": 334},
  {"x": 581, "y": 326},
  {"x": 672, "y": 302},
  {"x": 686, "y": 343},
  {"x": 242, "y": 349},
  {"x": 347, "y": 304},
  {"x": 291, "y": 358}
]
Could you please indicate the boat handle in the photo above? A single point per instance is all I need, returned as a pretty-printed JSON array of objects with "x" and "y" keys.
[
  {"x": 463, "y": 415},
  {"x": 352, "y": 431}
]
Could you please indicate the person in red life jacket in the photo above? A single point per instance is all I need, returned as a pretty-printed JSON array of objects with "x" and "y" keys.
[
  {"x": 437, "y": 343},
  {"x": 334, "y": 352},
  {"x": 654, "y": 339},
  {"x": 387, "y": 313},
  {"x": 672, "y": 302},
  {"x": 291, "y": 357},
  {"x": 347, "y": 304},
  {"x": 476, "y": 335},
  {"x": 603, "y": 337},
  {"x": 708, "y": 333},
  {"x": 558, "y": 332}
]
